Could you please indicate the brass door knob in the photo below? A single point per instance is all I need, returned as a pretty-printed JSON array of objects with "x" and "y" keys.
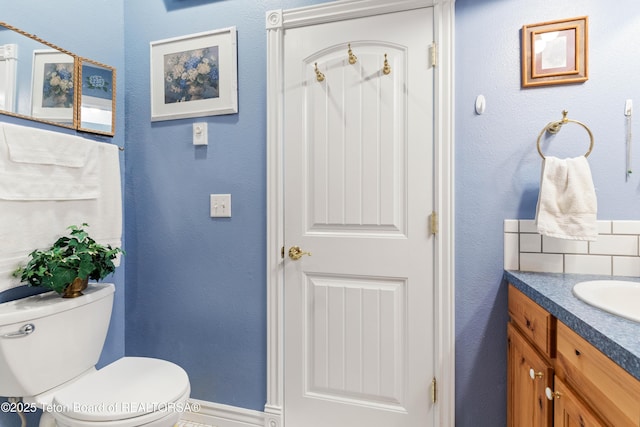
[{"x": 295, "y": 253}]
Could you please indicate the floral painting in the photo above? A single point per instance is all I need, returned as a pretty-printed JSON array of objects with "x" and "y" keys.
[
  {"x": 194, "y": 75},
  {"x": 191, "y": 75},
  {"x": 57, "y": 87},
  {"x": 97, "y": 81}
]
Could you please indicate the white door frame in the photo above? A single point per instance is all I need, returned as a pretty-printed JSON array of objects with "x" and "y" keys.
[{"x": 277, "y": 21}]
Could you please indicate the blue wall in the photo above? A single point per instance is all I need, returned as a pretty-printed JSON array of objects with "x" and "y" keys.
[
  {"x": 95, "y": 32},
  {"x": 197, "y": 293},
  {"x": 196, "y": 285},
  {"x": 498, "y": 167}
]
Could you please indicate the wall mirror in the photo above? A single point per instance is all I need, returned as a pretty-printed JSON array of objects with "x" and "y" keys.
[
  {"x": 41, "y": 81},
  {"x": 97, "y": 100}
]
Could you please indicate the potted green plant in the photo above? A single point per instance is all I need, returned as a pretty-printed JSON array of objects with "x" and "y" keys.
[{"x": 69, "y": 263}]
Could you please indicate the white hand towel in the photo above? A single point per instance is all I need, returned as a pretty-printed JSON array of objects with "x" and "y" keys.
[
  {"x": 31, "y": 145},
  {"x": 567, "y": 204},
  {"x": 41, "y": 165}
]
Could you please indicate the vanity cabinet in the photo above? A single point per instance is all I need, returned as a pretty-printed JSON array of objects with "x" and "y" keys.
[
  {"x": 530, "y": 350},
  {"x": 529, "y": 376},
  {"x": 556, "y": 378},
  {"x": 608, "y": 389},
  {"x": 569, "y": 410}
]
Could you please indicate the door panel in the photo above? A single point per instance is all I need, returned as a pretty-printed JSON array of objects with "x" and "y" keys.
[
  {"x": 570, "y": 411},
  {"x": 358, "y": 174},
  {"x": 356, "y": 340},
  {"x": 351, "y": 188},
  {"x": 526, "y": 398}
]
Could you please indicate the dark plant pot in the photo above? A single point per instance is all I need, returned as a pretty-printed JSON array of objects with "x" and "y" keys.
[{"x": 75, "y": 288}]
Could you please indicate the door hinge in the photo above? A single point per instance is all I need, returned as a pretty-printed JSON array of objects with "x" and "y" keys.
[
  {"x": 434, "y": 390},
  {"x": 282, "y": 252},
  {"x": 434, "y": 223},
  {"x": 433, "y": 50}
]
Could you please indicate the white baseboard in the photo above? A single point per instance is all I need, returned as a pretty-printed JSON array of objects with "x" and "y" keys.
[{"x": 210, "y": 414}]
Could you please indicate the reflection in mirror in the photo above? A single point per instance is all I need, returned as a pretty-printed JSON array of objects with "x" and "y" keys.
[
  {"x": 52, "y": 86},
  {"x": 36, "y": 78},
  {"x": 97, "y": 101},
  {"x": 8, "y": 69}
]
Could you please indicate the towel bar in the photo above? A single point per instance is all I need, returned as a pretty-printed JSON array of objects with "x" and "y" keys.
[{"x": 554, "y": 127}]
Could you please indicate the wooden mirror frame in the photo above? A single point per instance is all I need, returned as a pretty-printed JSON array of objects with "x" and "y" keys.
[{"x": 8, "y": 53}]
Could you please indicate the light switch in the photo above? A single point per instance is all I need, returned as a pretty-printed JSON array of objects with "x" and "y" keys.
[
  {"x": 200, "y": 134},
  {"x": 220, "y": 205}
]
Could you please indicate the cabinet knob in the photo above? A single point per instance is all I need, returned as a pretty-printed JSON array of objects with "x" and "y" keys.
[
  {"x": 551, "y": 394},
  {"x": 533, "y": 374}
]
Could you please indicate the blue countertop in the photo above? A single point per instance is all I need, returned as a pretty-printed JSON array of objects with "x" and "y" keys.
[{"x": 614, "y": 336}]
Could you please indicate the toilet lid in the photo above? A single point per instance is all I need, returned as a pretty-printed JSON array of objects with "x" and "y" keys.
[{"x": 128, "y": 388}]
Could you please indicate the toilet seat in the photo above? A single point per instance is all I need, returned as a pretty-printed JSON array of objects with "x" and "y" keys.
[{"x": 130, "y": 391}]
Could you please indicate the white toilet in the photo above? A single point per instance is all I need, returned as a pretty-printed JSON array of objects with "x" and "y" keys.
[{"x": 48, "y": 350}]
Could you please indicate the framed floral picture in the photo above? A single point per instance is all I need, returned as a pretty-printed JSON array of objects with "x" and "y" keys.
[
  {"x": 194, "y": 75},
  {"x": 52, "y": 93},
  {"x": 97, "y": 107}
]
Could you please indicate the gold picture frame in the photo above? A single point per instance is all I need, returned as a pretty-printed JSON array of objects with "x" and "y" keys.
[{"x": 555, "y": 52}]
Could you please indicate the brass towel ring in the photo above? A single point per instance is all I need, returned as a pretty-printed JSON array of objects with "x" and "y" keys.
[{"x": 554, "y": 127}]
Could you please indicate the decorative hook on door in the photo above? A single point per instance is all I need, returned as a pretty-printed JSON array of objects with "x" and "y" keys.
[
  {"x": 319, "y": 75},
  {"x": 386, "y": 69},
  {"x": 352, "y": 58}
]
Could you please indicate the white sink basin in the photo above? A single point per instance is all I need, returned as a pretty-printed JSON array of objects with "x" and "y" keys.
[{"x": 618, "y": 297}]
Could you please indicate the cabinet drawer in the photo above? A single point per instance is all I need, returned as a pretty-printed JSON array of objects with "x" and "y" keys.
[
  {"x": 610, "y": 391},
  {"x": 534, "y": 322}
]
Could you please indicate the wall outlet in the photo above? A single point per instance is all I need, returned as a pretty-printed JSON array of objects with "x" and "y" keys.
[{"x": 220, "y": 205}]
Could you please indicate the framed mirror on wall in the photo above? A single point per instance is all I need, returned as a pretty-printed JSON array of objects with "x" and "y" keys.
[
  {"x": 97, "y": 101},
  {"x": 43, "y": 82}
]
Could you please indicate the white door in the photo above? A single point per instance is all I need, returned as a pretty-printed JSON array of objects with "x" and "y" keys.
[{"x": 358, "y": 190}]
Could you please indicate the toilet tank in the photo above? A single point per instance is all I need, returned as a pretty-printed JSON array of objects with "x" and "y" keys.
[{"x": 66, "y": 339}]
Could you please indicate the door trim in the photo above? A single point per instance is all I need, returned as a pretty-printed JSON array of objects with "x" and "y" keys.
[{"x": 276, "y": 22}]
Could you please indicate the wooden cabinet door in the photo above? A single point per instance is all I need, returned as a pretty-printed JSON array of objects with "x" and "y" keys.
[
  {"x": 527, "y": 378},
  {"x": 569, "y": 410},
  {"x": 609, "y": 390}
]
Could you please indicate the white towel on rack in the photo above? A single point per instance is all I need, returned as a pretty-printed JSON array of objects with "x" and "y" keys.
[
  {"x": 41, "y": 165},
  {"x": 36, "y": 224},
  {"x": 31, "y": 145},
  {"x": 567, "y": 204}
]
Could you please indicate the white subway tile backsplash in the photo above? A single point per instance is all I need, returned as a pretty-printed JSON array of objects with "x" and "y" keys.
[
  {"x": 626, "y": 266},
  {"x": 511, "y": 226},
  {"x": 587, "y": 264},
  {"x": 615, "y": 252},
  {"x": 604, "y": 227},
  {"x": 528, "y": 226},
  {"x": 563, "y": 246},
  {"x": 511, "y": 251},
  {"x": 543, "y": 263},
  {"x": 530, "y": 242},
  {"x": 626, "y": 227},
  {"x": 614, "y": 245}
]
